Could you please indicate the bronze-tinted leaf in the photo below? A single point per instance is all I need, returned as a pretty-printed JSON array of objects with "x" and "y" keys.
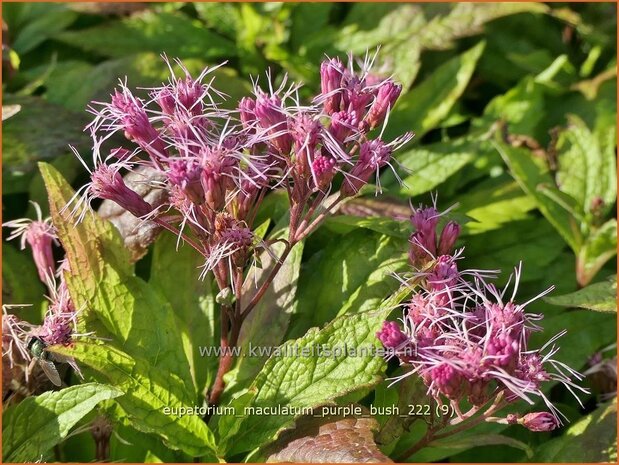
[
  {"x": 136, "y": 233},
  {"x": 328, "y": 439}
]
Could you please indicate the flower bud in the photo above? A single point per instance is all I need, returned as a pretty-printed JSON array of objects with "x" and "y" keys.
[
  {"x": 388, "y": 93},
  {"x": 373, "y": 155},
  {"x": 272, "y": 119},
  {"x": 323, "y": 170},
  {"x": 539, "y": 421},
  {"x": 185, "y": 173},
  {"x": 136, "y": 124},
  {"x": 343, "y": 123},
  {"x": 447, "y": 380},
  {"x": 304, "y": 131},
  {"x": 107, "y": 183},
  {"x": 247, "y": 105},
  {"x": 391, "y": 335},
  {"x": 331, "y": 72},
  {"x": 448, "y": 239}
]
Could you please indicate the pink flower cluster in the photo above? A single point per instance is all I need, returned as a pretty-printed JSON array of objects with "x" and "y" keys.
[
  {"x": 59, "y": 323},
  {"x": 218, "y": 164},
  {"x": 466, "y": 339}
]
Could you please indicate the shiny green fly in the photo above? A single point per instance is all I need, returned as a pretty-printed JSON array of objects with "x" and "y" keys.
[{"x": 40, "y": 355}]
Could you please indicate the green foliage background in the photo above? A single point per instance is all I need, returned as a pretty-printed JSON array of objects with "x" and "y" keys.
[{"x": 514, "y": 110}]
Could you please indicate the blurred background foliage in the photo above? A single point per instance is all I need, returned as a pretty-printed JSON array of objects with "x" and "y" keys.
[{"x": 514, "y": 110}]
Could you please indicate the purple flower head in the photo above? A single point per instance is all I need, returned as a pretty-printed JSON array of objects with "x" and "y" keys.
[
  {"x": 127, "y": 113},
  {"x": 57, "y": 328},
  {"x": 448, "y": 239},
  {"x": 331, "y": 74},
  {"x": 107, "y": 183},
  {"x": 305, "y": 132},
  {"x": 391, "y": 335},
  {"x": 40, "y": 236},
  {"x": 323, "y": 170},
  {"x": 539, "y": 421},
  {"x": 185, "y": 173},
  {"x": 219, "y": 166},
  {"x": 247, "y": 107},
  {"x": 343, "y": 124},
  {"x": 373, "y": 155},
  {"x": 447, "y": 381},
  {"x": 273, "y": 120},
  {"x": 388, "y": 93}
]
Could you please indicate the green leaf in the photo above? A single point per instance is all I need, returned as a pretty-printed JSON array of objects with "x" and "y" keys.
[
  {"x": 531, "y": 177},
  {"x": 176, "y": 274},
  {"x": 427, "y": 104},
  {"x": 148, "y": 31},
  {"x": 298, "y": 378},
  {"x": 30, "y": 25},
  {"x": 493, "y": 205},
  {"x": 266, "y": 325},
  {"x": 352, "y": 275},
  {"x": 601, "y": 297},
  {"x": 74, "y": 84},
  {"x": 37, "y": 424},
  {"x": 40, "y": 131},
  {"x": 599, "y": 247},
  {"x": 149, "y": 393},
  {"x": 427, "y": 167},
  {"x": 344, "y": 224},
  {"x": 587, "y": 164},
  {"x": 102, "y": 281},
  {"x": 477, "y": 440},
  {"x": 591, "y": 439}
]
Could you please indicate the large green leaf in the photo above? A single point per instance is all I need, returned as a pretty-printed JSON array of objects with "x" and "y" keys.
[
  {"x": 301, "y": 377},
  {"x": 601, "y": 297},
  {"x": 533, "y": 178},
  {"x": 37, "y": 424},
  {"x": 592, "y": 439},
  {"x": 74, "y": 84},
  {"x": 176, "y": 273},
  {"x": 152, "y": 397},
  {"x": 599, "y": 247},
  {"x": 266, "y": 325},
  {"x": 587, "y": 164},
  {"x": 424, "y": 106},
  {"x": 423, "y": 169},
  {"x": 173, "y": 33},
  {"x": 31, "y": 24},
  {"x": 349, "y": 276},
  {"x": 101, "y": 280}
]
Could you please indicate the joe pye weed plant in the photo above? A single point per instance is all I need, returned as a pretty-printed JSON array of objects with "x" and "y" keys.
[{"x": 455, "y": 338}]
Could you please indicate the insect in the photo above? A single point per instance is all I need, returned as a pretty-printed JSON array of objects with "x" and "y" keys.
[{"x": 40, "y": 355}]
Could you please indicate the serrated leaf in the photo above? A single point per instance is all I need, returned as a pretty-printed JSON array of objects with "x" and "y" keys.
[
  {"x": 296, "y": 378},
  {"x": 328, "y": 439},
  {"x": 102, "y": 281},
  {"x": 601, "y": 297},
  {"x": 530, "y": 176},
  {"x": 587, "y": 164},
  {"x": 149, "y": 31},
  {"x": 37, "y": 424},
  {"x": 149, "y": 391},
  {"x": 591, "y": 439},
  {"x": 599, "y": 247},
  {"x": 424, "y": 106}
]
